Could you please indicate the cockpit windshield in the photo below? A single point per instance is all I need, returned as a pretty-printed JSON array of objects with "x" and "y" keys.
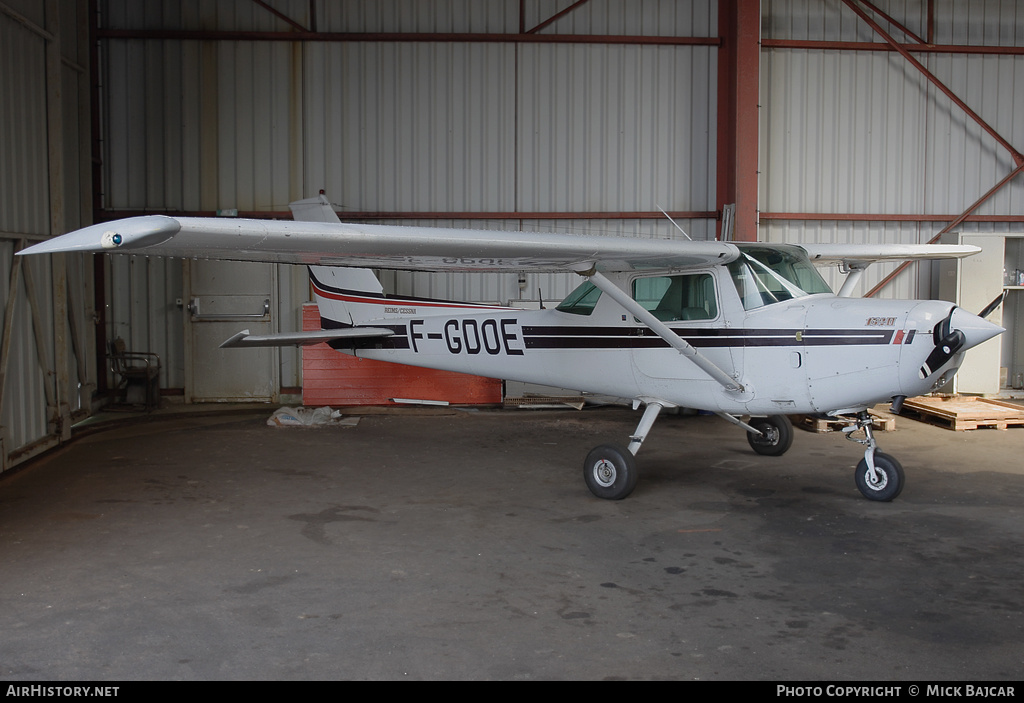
[
  {"x": 582, "y": 300},
  {"x": 765, "y": 275}
]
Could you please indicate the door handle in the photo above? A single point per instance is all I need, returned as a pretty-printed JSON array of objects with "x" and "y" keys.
[{"x": 193, "y": 308}]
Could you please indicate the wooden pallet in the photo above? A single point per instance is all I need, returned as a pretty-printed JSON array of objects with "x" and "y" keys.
[
  {"x": 965, "y": 412},
  {"x": 813, "y": 423}
]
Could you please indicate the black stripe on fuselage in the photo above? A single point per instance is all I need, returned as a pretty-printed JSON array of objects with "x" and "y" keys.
[
  {"x": 575, "y": 337},
  {"x": 550, "y": 337}
]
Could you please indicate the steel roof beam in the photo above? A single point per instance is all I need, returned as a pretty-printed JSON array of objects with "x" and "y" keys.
[
  {"x": 1017, "y": 156},
  {"x": 888, "y": 18},
  {"x": 280, "y": 15},
  {"x": 879, "y": 46},
  {"x": 557, "y": 16},
  {"x": 110, "y": 214},
  {"x": 457, "y": 37}
]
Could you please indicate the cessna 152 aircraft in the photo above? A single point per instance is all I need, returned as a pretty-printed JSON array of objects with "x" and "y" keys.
[{"x": 749, "y": 331}]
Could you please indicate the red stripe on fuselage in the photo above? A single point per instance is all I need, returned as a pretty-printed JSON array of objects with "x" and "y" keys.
[{"x": 371, "y": 300}]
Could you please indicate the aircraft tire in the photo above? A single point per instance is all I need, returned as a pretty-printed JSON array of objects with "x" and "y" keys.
[
  {"x": 610, "y": 472},
  {"x": 890, "y": 484},
  {"x": 780, "y": 435}
]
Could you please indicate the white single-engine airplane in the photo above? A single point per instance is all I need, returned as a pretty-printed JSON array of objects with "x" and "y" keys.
[{"x": 746, "y": 330}]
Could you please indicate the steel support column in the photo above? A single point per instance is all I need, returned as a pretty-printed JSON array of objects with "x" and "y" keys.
[
  {"x": 58, "y": 264},
  {"x": 739, "y": 25}
]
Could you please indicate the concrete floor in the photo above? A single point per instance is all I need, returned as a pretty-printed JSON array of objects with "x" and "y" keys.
[{"x": 455, "y": 545}]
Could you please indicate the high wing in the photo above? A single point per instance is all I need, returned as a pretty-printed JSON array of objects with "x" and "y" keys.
[
  {"x": 857, "y": 257},
  {"x": 863, "y": 254},
  {"x": 383, "y": 246},
  {"x": 431, "y": 248}
]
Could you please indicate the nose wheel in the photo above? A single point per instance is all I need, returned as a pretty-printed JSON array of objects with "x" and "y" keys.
[
  {"x": 879, "y": 476},
  {"x": 882, "y": 483}
]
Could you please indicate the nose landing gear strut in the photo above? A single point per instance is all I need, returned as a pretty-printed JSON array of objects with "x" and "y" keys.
[{"x": 879, "y": 476}]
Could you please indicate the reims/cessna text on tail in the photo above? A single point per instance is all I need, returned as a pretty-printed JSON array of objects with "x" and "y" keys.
[{"x": 748, "y": 331}]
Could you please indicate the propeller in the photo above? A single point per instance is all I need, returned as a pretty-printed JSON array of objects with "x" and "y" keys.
[
  {"x": 991, "y": 307},
  {"x": 948, "y": 342}
]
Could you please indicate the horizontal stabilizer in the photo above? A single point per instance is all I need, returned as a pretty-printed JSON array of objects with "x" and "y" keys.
[{"x": 287, "y": 339}]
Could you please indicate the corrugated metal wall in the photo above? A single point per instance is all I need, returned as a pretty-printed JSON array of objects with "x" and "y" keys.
[
  {"x": 455, "y": 126},
  {"x": 863, "y": 132},
  {"x": 403, "y": 126},
  {"x": 47, "y": 360},
  {"x": 460, "y": 126}
]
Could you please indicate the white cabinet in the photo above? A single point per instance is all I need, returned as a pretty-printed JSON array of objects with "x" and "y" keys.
[
  {"x": 1013, "y": 314},
  {"x": 972, "y": 283}
]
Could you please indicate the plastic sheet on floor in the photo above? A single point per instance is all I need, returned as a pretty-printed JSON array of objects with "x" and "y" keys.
[{"x": 310, "y": 417}]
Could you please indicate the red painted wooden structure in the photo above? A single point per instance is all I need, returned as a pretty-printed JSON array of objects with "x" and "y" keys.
[{"x": 330, "y": 378}]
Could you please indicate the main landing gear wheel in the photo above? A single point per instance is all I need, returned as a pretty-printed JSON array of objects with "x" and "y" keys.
[
  {"x": 610, "y": 472},
  {"x": 775, "y": 438},
  {"x": 885, "y": 483}
]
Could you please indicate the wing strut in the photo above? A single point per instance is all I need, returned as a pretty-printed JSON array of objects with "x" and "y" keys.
[
  {"x": 662, "y": 330},
  {"x": 855, "y": 270}
]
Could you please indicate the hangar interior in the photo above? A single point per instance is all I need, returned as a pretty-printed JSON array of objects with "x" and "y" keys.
[{"x": 781, "y": 120}]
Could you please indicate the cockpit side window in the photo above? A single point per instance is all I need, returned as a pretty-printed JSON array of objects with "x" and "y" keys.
[{"x": 677, "y": 298}]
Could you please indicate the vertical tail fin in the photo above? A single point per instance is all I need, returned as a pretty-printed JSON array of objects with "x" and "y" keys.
[
  {"x": 316, "y": 209},
  {"x": 345, "y": 296}
]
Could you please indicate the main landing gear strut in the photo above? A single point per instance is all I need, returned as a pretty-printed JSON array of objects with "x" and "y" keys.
[{"x": 611, "y": 471}]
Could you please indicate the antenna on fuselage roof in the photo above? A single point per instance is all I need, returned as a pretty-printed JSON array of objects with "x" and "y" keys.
[{"x": 676, "y": 224}]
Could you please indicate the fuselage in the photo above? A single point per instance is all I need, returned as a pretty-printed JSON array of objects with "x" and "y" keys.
[{"x": 791, "y": 350}]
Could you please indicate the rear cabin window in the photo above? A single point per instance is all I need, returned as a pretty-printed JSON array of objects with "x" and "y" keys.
[{"x": 677, "y": 298}]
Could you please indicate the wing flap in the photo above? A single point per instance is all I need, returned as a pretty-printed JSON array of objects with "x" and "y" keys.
[{"x": 286, "y": 339}]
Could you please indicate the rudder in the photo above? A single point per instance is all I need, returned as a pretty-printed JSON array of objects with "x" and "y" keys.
[{"x": 345, "y": 296}]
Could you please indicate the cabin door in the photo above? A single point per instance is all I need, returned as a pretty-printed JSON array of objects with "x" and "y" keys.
[{"x": 689, "y": 305}]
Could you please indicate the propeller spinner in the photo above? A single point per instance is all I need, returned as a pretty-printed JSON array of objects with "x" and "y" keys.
[{"x": 960, "y": 330}]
